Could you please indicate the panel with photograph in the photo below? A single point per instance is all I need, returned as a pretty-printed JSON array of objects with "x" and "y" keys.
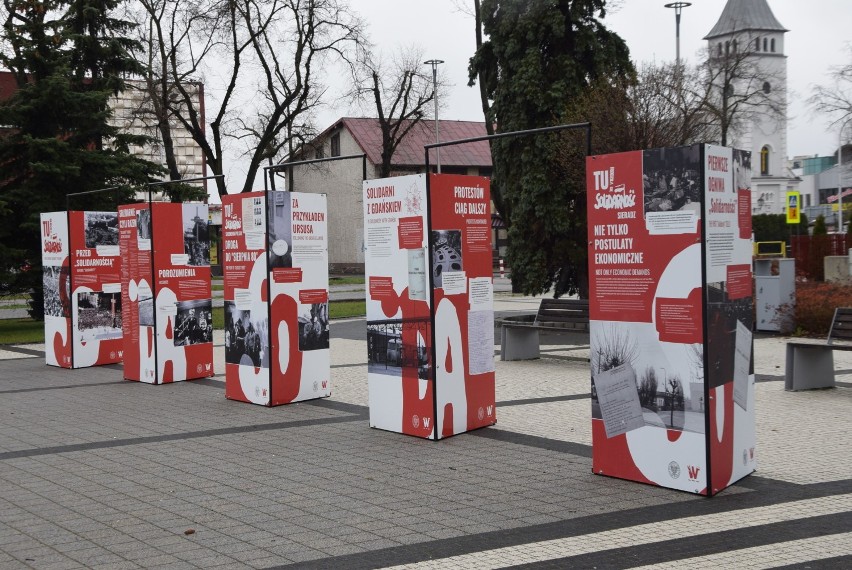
[
  {"x": 671, "y": 179},
  {"x": 194, "y": 322},
  {"x": 313, "y": 327},
  {"x": 246, "y": 337},
  {"x": 143, "y": 225},
  {"x": 280, "y": 230},
  {"x": 53, "y": 278},
  {"x": 446, "y": 253},
  {"x": 146, "y": 312},
  {"x": 196, "y": 236},
  {"x": 669, "y": 383},
  {"x": 387, "y": 354},
  {"x": 99, "y": 315},
  {"x": 101, "y": 229}
]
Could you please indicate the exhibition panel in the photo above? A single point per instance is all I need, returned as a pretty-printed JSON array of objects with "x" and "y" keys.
[
  {"x": 671, "y": 315},
  {"x": 276, "y": 249},
  {"x": 82, "y": 288},
  {"x": 430, "y": 319},
  {"x": 168, "y": 325}
]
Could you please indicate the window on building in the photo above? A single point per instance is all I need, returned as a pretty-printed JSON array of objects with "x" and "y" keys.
[
  {"x": 767, "y": 88},
  {"x": 772, "y": 45},
  {"x": 734, "y": 46},
  {"x": 727, "y": 48},
  {"x": 764, "y": 161},
  {"x": 319, "y": 152},
  {"x": 335, "y": 144},
  {"x": 764, "y": 44},
  {"x": 719, "y": 49},
  {"x": 756, "y": 44}
]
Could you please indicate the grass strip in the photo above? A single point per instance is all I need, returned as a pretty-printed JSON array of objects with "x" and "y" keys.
[
  {"x": 21, "y": 331},
  {"x": 25, "y": 331}
]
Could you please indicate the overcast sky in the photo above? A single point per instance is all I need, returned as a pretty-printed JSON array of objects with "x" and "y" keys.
[
  {"x": 819, "y": 30},
  {"x": 818, "y": 39}
]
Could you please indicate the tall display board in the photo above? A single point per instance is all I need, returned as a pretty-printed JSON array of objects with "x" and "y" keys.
[
  {"x": 82, "y": 288},
  {"x": 168, "y": 324},
  {"x": 670, "y": 300},
  {"x": 276, "y": 297},
  {"x": 430, "y": 317}
]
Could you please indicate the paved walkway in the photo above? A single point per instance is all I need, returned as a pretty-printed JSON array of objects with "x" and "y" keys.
[{"x": 96, "y": 472}]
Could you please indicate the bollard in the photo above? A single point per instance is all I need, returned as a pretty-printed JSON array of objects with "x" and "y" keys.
[{"x": 502, "y": 269}]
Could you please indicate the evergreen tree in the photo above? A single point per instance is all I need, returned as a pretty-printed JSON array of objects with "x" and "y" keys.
[
  {"x": 68, "y": 59},
  {"x": 539, "y": 56}
]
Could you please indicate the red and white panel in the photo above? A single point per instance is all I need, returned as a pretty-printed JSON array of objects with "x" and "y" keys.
[
  {"x": 399, "y": 318},
  {"x": 297, "y": 245},
  {"x": 96, "y": 308},
  {"x": 166, "y": 284},
  {"x": 730, "y": 316},
  {"x": 57, "y": 289},
  {"x": 246, "y": 308},
  {"x": 648, "y": 420},
  {"x": 462, "y": 277}
]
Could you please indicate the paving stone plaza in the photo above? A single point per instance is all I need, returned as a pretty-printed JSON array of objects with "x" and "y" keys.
[{"x": 97, "y": 472}]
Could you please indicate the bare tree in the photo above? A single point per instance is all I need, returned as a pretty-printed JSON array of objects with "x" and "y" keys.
[
  {"x": 737, "y": 88},
  {"x": 648, "y": 388},
  {"x": 265, "y": 58},
  {"x": 613, "y": 347},
  {"x": 663, "y": 112},
  {"x": 401, "y": 95},
  {"x": 835, "y": 100},
  {"x": 674, "y": 395}
]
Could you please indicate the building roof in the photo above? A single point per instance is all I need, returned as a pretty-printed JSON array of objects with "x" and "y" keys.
[
  {"x": 368, "y": 135},
  {"x": 741, "y": 15}
]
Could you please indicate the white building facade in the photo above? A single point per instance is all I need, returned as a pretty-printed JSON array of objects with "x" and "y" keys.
[{"x": 749, "y": 28}]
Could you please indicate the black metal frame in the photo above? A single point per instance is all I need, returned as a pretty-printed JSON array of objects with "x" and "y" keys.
[
  {"x": 576, "y": 126},
  {"x": 271, "y": 170},
  {"x": 115, "y": 189}
]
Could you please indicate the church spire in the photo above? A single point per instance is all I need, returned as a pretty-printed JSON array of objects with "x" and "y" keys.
[{"x": 741, "y": 15}]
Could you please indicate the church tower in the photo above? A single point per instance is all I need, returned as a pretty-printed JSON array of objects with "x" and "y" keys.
[{"x": 748, "y": 31}]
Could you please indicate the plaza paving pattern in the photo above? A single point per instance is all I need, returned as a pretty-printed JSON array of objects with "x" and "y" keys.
[{"x": 96, "y": 472}]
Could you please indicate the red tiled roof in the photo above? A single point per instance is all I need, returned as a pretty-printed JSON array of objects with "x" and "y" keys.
[{"x": 368, "y": 135}]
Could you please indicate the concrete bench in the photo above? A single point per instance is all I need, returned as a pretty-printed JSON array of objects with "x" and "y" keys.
[
  {"x": 811, "y": 365},
  {"x": 519, "y": 336}
]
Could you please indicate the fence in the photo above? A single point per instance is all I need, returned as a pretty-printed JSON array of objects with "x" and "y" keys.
[{"x": 810, "y": 252}]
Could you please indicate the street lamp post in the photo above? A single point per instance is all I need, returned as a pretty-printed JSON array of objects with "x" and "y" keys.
[
  {"x": 435, "y": 63},
  {"x": 678, "y": 8}
]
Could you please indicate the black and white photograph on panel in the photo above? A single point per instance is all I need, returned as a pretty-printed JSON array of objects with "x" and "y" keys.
[
  {"x": 313, "y": 327},
  {"x": 196, "y": 236},
  {"x": 671, "y": 179},
  {"x": 396, "y": 344},
  {"x": 143, "y": 225},
  {"x": 666, "y": 379},
  {"x": 101, "y": 229},
  {"x": 194, "y": 322},
  {"x": 53, "y": 278},
  {"x": 723, "y": 313},
  {"x": 742, "y": 169},
  {"x": 146, "y": 311},
  {"x": 99, "y": 315},
  {"x": 246, "y": 338},
  {"x": 446, "y": 253},
  {"x": 280, "y": 230}
]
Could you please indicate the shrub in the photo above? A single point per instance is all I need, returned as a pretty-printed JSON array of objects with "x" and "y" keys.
[{"x": 815, "y": 304}]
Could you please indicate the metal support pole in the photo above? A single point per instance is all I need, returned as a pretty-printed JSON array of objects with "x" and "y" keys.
[{"x": 435, "y": 63}]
